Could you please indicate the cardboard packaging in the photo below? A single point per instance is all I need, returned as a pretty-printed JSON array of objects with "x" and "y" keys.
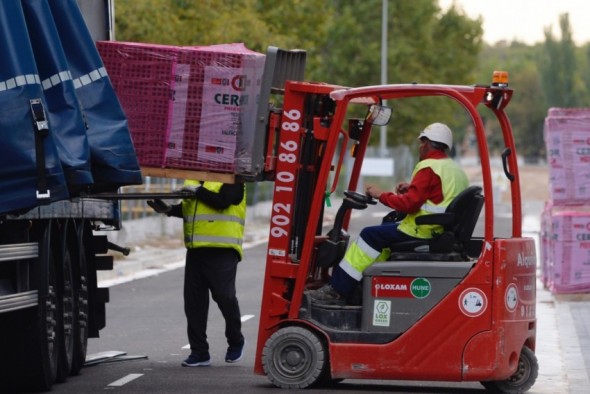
[{"x": 191, "y": 108}]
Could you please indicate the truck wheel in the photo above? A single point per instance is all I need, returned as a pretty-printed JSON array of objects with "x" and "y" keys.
[
  {"x": 38, "y": 358},
  {"x": 522, "y": 380},
  {"x": 80, "y": 275},
  {"x": 294, "y": 357},
  {"x": 65, "y": 316}
]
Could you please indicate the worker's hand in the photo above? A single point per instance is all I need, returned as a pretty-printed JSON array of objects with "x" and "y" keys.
[
  {"x": 159, "y": 206},
  {"x": 191, "y": 189},
  {"x": 373, "y": 191},
  {"x": 402, "y": 188}
]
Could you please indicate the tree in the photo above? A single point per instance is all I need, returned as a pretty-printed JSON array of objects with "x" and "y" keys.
[
  {"x": 342, "y": 40},
  {"x": 563, "y": 87},
  {"x": 528, "y": 107},
  {"x": 257, "y": 23},
  {"x": 424, "y": 45}
]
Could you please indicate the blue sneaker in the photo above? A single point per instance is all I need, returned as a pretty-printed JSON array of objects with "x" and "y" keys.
[
  {"x": 235, "y": 353},
  {"x": 197, "y": 360}
]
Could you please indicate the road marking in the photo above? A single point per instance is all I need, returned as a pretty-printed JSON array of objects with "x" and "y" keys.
[{"x": 126, "y": 379}]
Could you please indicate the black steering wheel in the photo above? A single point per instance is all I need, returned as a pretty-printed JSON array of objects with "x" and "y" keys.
[{"x": 359, "y": 197}]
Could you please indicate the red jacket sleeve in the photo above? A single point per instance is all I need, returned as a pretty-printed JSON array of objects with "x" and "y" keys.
[{"x": 425, "y": 186}]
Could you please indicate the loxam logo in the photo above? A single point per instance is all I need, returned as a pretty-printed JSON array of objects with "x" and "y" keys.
[{"x": 390, "y": 286}]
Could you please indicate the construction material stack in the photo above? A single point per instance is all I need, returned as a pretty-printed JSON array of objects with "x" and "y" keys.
[
  {"x": 189, "y": 108},
  {"x": 565, "y": 238}
]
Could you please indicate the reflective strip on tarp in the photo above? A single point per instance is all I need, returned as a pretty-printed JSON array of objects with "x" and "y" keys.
[
  {"x": 64, "y": 113},
  {"x": 19, "y": 83},
  {"x": 114, "y": 162},
  {"x": 47, "y": 54}
]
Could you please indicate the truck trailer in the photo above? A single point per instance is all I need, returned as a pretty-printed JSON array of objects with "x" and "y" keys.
[{"x": 64, "y": 137}]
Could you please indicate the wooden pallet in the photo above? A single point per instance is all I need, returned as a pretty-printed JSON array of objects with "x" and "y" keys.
[{"x": 188, "y": 174}]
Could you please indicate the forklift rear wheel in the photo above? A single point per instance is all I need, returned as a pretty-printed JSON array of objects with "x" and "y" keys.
[
  {"x": 522, "y": 380},
  {"x": 294, "y": 357}
]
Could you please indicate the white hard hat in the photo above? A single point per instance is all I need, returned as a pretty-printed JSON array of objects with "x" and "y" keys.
[{"x": 438, "y": 132}]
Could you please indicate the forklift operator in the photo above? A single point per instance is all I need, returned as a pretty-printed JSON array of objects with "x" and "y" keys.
[{"x": 436, "y": 181}]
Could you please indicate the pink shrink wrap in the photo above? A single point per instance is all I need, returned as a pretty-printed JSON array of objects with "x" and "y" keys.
[
  {"x": 189, "y": 108},
  {"x": 565, "y": 248},
  {"x": 571, "y": 267},
  {"x": 567, "y": 139}
]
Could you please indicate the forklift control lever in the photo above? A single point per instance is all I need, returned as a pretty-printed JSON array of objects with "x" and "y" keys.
[{"x": 361, "y": 198}]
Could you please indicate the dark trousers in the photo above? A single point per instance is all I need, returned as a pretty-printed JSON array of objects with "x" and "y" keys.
[
  {"x": 211, "y": 270},
  {"x": 384, "y": 235}
]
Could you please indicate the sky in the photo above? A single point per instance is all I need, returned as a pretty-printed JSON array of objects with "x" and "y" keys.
[{"x": 526, "y": 20}]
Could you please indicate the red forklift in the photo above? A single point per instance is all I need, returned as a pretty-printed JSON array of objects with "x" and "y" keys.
[{"x": 460, "y": 308}]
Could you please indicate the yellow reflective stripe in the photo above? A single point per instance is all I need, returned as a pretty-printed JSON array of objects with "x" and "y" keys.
[
  {"x": 20, "y": 80},
  {"x": 350, "y": 270},
  {"x": 366, "y": 249},
  {"x": 433, "y": 208},
  {"x": 358, "y": 257},
  {"x": 192, "y": 188},
  {"x": 211, "y": 217},
  {"x": 213, "y": 239}
]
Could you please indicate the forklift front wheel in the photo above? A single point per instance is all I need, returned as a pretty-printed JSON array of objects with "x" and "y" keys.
[
  {"x": 294, "y": 357},
  {"x": 522, "y": 380}
]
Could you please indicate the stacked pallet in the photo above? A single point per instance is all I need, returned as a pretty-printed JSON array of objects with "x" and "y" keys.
[
  {"x": 188, "y": 108},
  {"x": 565, "y": 221}
]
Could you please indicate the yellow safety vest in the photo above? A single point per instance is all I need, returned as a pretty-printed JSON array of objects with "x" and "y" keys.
[
  {"x": 205, "y": 226},
  {"x": 453, "y": 181}
]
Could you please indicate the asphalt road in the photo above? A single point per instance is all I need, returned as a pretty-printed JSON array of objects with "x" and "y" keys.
[{"x": 145, "y": 318}]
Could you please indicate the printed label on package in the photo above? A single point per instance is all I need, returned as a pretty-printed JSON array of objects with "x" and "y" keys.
[{"x": 223, "y": 96}]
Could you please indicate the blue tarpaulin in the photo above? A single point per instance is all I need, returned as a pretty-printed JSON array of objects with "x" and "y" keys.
[
  {"x": 19, "y": 83},
  {"x": 114, "y": 162},
  {"x": 65, "y": 116},
  {"x": 50, "y": 67}
]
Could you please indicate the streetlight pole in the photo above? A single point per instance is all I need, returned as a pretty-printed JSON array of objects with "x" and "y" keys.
[{"x": 383, "y": 135}]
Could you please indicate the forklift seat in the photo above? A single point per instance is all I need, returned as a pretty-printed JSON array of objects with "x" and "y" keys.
[{"x": 458, "y": 221}]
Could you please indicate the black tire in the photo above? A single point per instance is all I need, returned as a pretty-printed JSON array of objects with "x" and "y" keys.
[
  {"x": 295, "y": 358},
  {"x": 80, "y": 275},
  {"x": 522, "y": 380},
  {"x": 66, "y": 299},
  {"x": 38, "y": 359}
]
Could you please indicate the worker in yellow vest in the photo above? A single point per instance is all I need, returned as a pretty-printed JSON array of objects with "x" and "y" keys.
[
  {"x": 436, "y": 180},
  {"x": 213, "y": 233}
]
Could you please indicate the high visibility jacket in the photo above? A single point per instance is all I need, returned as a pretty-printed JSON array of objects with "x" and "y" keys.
[
  {"x": 205, "y": 226},
  {"x": 453, "y": 181}
]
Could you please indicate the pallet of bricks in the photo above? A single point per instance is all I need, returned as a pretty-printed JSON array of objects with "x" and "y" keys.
[
  {"x": 565, "y": 220},
  {"x": 191, "y": 110}
]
